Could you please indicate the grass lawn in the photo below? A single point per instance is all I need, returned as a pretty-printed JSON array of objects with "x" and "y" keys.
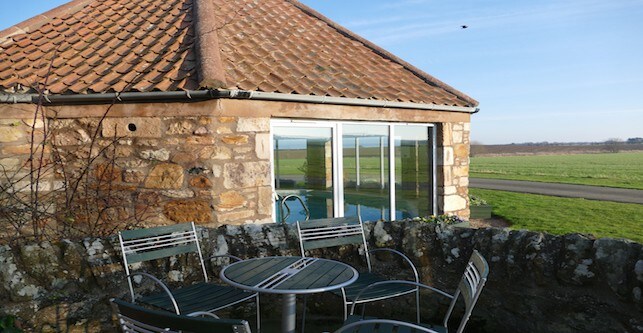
[
  {"x": 611, "y": 169},
  {"x": 566, "y": 215},
  {"x": 369, "y": 167}
]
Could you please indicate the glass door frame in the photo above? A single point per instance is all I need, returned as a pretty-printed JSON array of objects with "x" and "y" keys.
[
  {"x": 303, "y": 124},
  {"x": 336, "y": 127}
]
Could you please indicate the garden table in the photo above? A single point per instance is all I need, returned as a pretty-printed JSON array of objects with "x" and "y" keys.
[{"x": 289, "y": 276}]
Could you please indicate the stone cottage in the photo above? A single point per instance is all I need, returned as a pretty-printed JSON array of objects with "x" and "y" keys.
[{"x": 214, "y": 111}]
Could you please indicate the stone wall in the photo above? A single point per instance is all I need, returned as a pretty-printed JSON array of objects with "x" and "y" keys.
[
  {"x": 453, "y": 168},
  {"x": 210, "y": 170},
  {"x": 538, "y": 282},
  {"x": 207, "y": 169},
  {"x": 15, "y": 148},
  {"x": 202, "y": 166}
]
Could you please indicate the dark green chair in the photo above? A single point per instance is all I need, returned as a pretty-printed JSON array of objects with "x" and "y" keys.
[
  {"x": 333, "y": 232},
  {"x": 181, "y": 239},
  {"x": 469, "y": 289},
  {"x": 137, "y": 319}
]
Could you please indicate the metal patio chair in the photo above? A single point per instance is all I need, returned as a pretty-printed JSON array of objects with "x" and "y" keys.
[
  {"x": 470, "y": 287},
  {"x": 137, "y": 319},
  {"x": 161, "y": 242},
  {"x": 332, "y": 232}
]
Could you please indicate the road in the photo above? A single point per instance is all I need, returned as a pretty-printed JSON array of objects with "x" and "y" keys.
[{"x": 561, "y": 190}]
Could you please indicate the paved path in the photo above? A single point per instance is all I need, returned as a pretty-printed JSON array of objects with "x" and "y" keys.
[{"x": 561, "y": 190}]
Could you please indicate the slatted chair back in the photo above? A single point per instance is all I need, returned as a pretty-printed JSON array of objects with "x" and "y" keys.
[
  {"x": 136, "y": 319},
  {"x": 473, "y": 280},
  {"x": 331, "y": 232},
  {"x": 159, "y": 242},
  {"x": 474, "y": 277}
]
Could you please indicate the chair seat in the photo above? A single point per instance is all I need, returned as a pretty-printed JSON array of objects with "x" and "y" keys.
[
  {"x": 202, "y": 296},
  {"x": 372, "y": 294},
  {"x": 388, "y": 328}
]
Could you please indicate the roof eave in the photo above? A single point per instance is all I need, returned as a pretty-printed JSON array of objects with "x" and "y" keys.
[
  {"x": 268, "y": 96},
  {"x": 201, "y": 95}
]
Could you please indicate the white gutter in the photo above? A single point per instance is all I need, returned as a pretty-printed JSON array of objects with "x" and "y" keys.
[{"x": 267, "y": 96}]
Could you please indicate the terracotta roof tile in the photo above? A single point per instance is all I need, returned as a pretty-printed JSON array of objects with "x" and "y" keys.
[
  {"x": 58, "y": 86},
  {"x": 150, "y": 45},
  {"x": 13, "y": 80},
  {"x": 84, "y": 70},
  {"x": 165, "y": 85},
  {"x": 99, "y": 87},
  {"x": 120, "y": 86}
]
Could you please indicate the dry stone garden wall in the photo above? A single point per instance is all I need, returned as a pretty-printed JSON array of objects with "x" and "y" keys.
[{"x": 538, "y": 282}]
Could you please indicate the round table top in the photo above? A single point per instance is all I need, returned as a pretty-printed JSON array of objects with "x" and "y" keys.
[{"x": 289, "y": 275}]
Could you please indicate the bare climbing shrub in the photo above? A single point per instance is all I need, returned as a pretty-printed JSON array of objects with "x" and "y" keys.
[{"x": 69, "y": 186}]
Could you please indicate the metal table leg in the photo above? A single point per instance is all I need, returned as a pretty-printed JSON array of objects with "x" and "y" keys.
[{"x": 289, "y": 313}]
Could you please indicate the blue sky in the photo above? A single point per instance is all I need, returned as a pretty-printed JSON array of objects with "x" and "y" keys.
[{"x": 542, "y": 70}]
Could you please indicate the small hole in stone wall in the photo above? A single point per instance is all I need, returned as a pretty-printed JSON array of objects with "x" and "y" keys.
[
  {"x": 196, "y": 170},
  {"x": 131, "y": 127}
]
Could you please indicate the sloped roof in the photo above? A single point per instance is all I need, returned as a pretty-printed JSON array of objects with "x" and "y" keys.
[{"x": 281, "y": 46}]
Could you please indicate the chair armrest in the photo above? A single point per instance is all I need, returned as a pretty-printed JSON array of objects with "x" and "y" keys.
[
  {"x": 417, "y": 284},
  {"x": 160, "y": 283},
  {"x": 404, "y": 257},
  {"x": 400, "y": 324}
]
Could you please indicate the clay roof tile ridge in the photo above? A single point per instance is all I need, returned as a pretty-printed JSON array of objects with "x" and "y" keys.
[{"x": 209, "y": 64}]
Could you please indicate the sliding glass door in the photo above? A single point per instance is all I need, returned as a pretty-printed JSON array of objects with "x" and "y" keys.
[
  {"x": 413, "y": 171},
  {"x": 347, "y": 168},
  {"x": 303, "y": 169},
  {"x": 365, "y": 151}
]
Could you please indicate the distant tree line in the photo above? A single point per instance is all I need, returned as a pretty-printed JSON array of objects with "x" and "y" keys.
[
  {"x": 611, "y": 145},
  {"x": 586, "y": 143}
]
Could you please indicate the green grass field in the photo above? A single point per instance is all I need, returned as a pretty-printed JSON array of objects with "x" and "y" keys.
[
  {"x": 545, "y": 213},
  {"x": 369, "y": 167},
  {"x": 566, "y": 215},
  {"x": 623, "y": 170}
]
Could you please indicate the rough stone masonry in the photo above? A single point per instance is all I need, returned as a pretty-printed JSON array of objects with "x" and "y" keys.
[
  {"x": 538, "y": 282},
  {"x": 212, "y": 170}
]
